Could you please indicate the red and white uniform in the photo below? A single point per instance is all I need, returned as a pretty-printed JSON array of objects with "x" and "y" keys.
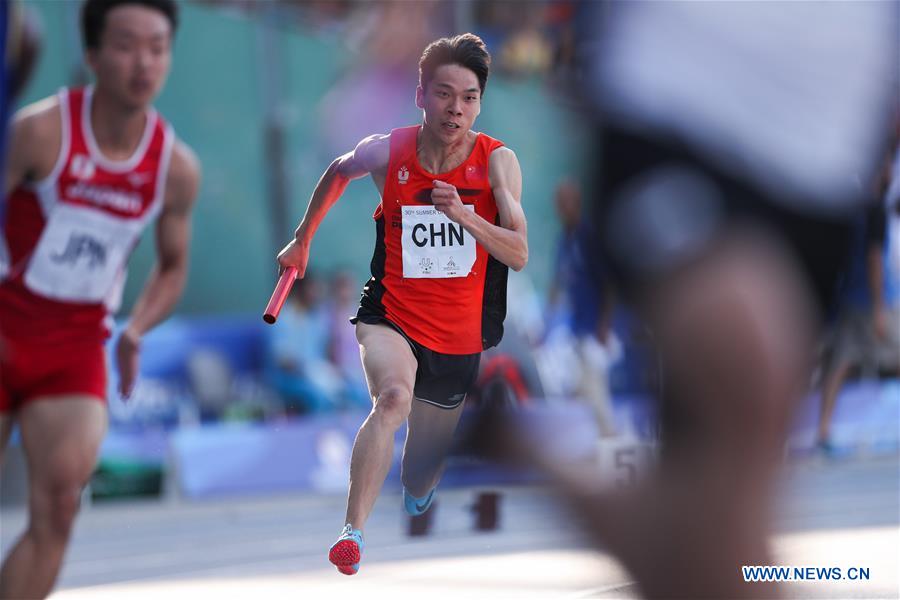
[
  {"x": 67, "y": 240},
  {"x": 429, "y": 276}
]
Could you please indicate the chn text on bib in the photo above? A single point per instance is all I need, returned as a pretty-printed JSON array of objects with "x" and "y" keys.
[{"x": 433, "y": 246}]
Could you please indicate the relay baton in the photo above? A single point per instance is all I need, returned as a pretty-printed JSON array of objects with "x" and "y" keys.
[{"x": 282, "y": 289}]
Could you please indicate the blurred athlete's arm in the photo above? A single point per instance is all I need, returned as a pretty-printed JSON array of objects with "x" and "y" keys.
[
  {"x": 507, "y": 242},
  {"x": 23, "y": 45},
  {"x": 370, "y": 156},
  {"x": 34, "y": 140},
  {"x": 167, "y": 280}
]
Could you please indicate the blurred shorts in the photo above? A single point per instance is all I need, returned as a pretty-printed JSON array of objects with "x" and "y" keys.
[
  {"x": 32, "y": 370},
  {"x": 658, "y": 205},
  {"x": 443, "y": 380},
  {"x": 856, "y": 343}
]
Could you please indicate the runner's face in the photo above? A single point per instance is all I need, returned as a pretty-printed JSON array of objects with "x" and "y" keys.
[
  {"x": 134, "y": 55},
  {"x": 450, "y": 102}
]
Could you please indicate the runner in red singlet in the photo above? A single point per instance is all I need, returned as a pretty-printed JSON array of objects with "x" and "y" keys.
[
  {"x": 89, "y": 169},
  {"x": 449, "y": 225}
]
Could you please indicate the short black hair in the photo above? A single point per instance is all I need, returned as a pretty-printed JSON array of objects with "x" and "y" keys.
[
  {"x": 466, "y": 50},
  {"x": 93, "y": 16}
]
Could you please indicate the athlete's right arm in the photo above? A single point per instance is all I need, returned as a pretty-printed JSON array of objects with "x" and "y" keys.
[
  {"x": 34, "y": 139},
  {"x": 370, "y": 156}
]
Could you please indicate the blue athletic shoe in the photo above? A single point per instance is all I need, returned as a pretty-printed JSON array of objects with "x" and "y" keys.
[
  {"x": 345, "y": 553},
  {"x": 417, "y": 506},
  {"x": 830, "y": 451}
]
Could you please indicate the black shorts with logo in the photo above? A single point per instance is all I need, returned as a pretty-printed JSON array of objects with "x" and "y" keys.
[{"x": 441, "y": 379}]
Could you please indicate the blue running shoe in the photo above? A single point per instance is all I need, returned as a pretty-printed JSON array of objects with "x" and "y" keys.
[
  {"x": 345, "y": 553},
  {"x": 830, "y": 451},
  {"x": 417, "y": 506}
]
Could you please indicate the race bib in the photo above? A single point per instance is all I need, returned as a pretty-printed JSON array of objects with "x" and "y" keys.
[
  {"x": 435, "y": 247},
  {"x": 80, "y": 255}
]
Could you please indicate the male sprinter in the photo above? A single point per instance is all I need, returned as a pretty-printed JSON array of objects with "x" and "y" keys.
[
  {"x": 88, "y": 170},
  {"x": 449, "y": 224}
]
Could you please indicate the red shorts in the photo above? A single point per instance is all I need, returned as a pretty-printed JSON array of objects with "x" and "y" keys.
[{"x": 31, "y": 370}]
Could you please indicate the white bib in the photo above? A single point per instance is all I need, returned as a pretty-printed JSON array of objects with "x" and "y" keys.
[
  {"x": 81, "y": 254},
  {"x": 434, "y": 247}
]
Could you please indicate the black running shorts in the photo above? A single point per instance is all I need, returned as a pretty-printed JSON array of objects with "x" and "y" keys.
[{"x": 441, "y": 379}]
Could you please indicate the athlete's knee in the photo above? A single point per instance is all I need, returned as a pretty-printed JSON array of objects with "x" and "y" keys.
[
  {"x": 53, "y": 511},
  {"x": 393, "y": 404}
]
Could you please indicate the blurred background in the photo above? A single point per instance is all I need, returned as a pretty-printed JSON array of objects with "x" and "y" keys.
[{"x": 229, "y": 409}]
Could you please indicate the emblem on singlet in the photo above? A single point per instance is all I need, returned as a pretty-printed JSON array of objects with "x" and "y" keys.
[
  {"x": 82, "y": 167},
  {"x": 403, "y": 175},
  {"x": 451, "y": 265},
  {"x": 139, "y": 179}
]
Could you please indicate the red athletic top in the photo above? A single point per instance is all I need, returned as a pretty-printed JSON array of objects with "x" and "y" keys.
[
  {"x": 121, "y": 196},
  {"x": 429, "y": 276}
]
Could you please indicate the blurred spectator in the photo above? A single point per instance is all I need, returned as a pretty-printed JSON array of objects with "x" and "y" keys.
[
  {"x": 868, "y": 331},
  {"x": 374, "y": 94},
  {"x": 495, "y": 21},
  {"x": 343, "y": 347},
  {"x": 562, "y": 18},
  {"x": 299, "y": 369},
  {"x": 580, "y": 303},
  {"x": 533, "y": 38},
  {"x": 527, "y": 51}
]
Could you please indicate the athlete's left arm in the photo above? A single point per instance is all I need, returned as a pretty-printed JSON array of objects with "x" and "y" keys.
[
  {"x": 167, "y": 280},
  {"x": 507, "y": 242}
]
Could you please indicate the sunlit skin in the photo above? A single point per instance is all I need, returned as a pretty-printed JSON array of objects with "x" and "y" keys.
[
  {"x": 133, "y": 59},
  {"x": 130, "y": 67},
  {"x": 450, "y": 103}
]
